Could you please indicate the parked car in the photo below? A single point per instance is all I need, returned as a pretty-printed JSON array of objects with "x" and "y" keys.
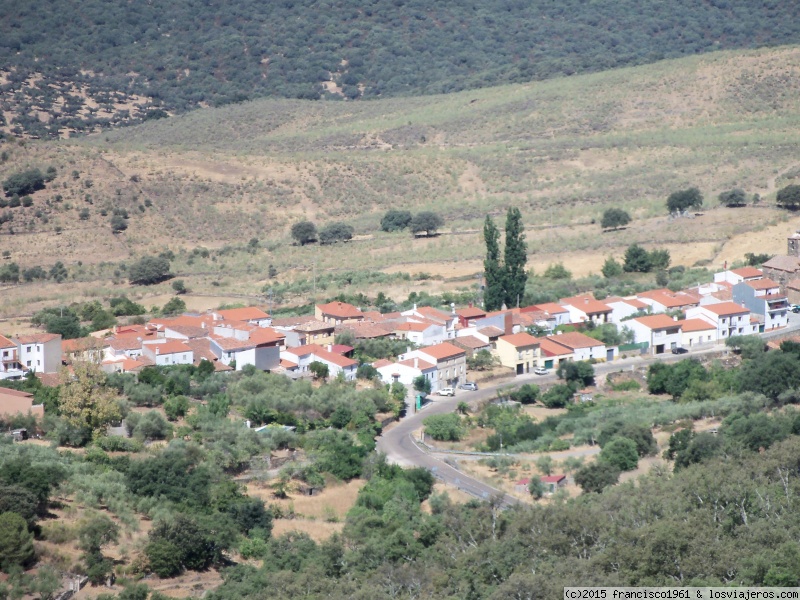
[
  {"x": 796, "y": 308},
  {"x": 469, "y": 385},
  {"x": 679, "y": 350},
  {"x": 448, "y": 391},
  {"x": 540, "y": 371}
]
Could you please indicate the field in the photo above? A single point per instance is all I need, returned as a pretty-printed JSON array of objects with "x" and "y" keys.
[{"x": 562, "y": 151}]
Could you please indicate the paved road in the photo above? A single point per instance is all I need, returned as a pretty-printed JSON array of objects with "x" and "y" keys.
[{"x": 401, "y": 449}]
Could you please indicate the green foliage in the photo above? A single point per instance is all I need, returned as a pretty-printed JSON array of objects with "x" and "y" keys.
[
  {"x": 639, "y": 260},
  {"x": 620, "y": 453},
  {"x": 580, "y": 373},
  {"x": 186, "y": 543},
  {"x": 674, "y": 379},
  {"x": 16, "y": 542},
  {"x": 789, "y": 197},
  {"x": 335, "y": 232},
  {"x": 749, "y": 346},
  {"x": 614, "y": 218},
  {"x": 527, "y": 393},
  {"x": 770, "y": 374},
  {"x": 426, "y": 222},
  {"x": 396, "y": 220},
  {"x": 444, "y": 428},
  {"x": 516, "y": 257},
  {"x": 318, "y": 369},
  {"x": 24, "y": 182},
  {"x": 756, "y": 260},
  {"x": 558, "y": 396},
  {"x": 174, "y": 306},
  {"x": 557, "y": 271},
  {"x": 304, "y": 232},
  {"x": 422, "y": 384},
  {"x": 536, "y": 488},
  {"x": 123, "y": 306},
  {"x": 149, "y": 270},
  {"x": 641, "y": 435},
  {"x": 482, "y": 360},
  {"x": 733, "y": 198},
  {"x": 494, "y": 292},
  {"x": 596, "y": 476},
  {"x": 683, "y": 200},
  {"x": 367, "y": 372}
]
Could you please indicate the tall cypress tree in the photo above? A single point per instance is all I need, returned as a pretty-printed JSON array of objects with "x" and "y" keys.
[
  {"x": 493, "y": 271},
  {"x": 516, "y": 256}
]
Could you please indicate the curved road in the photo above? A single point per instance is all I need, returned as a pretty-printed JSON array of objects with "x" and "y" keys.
[{"x": 399, "y": 447}]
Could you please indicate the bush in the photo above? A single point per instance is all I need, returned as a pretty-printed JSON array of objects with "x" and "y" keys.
[
  {"x": 396, "y": 220},
  {"x": 16, "y": 542},
  {"x": 149, "y": 270},
  {"x": 25, "y": 182},
  {"x": 427, "y": 222},
  {"x": 558, "y": 396},
  {"x": 335, "y": 232},
  {"x": 444, "y": 428},
  {"x": 597, "y": 476},
  {"x": 684, "y": 200},
  {"x": 620, "y": 453},
  {"x": 304, "y": 232},
  {"x": 614, "y": 218}
]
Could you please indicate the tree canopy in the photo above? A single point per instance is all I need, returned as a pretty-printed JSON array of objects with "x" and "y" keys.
[
  {"x": 304, "y": 232},
  {"x": 396, "y": 220},
  {"x": 684, "y": 200},
  {"x": 24, "y": 182},
  {"x": 335, "y": 232},
  {"x": 614, "y": 218},
  {"x": 789, "y": 197},
  {"x": 426, "y": 222},
  {"x": 149, "y": 270},
  {"x": 733, "y": 198}
]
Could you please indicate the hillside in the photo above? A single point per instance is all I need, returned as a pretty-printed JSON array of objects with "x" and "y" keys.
[
  {"x": 561, "y": 150},
  {"x": 117, "y": 62}
]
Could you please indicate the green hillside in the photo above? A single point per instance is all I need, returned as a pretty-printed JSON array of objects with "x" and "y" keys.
[{"x": 116, "y": 61}]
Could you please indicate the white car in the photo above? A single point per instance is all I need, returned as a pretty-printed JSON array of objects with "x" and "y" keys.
[
  {"x": 540, "y": 371},
  {"x": 448, "y": 391}
]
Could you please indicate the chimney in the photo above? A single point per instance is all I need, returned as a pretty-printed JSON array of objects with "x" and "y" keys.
[
  {"x": 415, "y": 306},
  {"x": 509, "y": 324},
  {"x": 330, "y": 348},
  {"x": 416, "y": 362},
  {"x": 675, "y": 318},
  {"x": 453, "y": 307},
  {"x": 586, "y": 300}
]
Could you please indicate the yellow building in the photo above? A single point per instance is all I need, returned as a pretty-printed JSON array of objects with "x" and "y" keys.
[{"x": 519, "y": 351}]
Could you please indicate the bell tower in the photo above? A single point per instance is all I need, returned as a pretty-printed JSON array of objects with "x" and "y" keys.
[{"x": 793, "y": 244}]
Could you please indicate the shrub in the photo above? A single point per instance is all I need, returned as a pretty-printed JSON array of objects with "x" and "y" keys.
[
  {"x": 621, "y": 453},
  {"x": 396, "y": 220},
  {"x": 25, "y": 182},
  {"x": 444, "y": 428},
  {"x": 149, "y": 270}
]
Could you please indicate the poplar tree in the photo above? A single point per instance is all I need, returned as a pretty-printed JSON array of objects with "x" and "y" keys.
[
  {"x": 516, "y": 257},
  {"x": 494, "y": 274}
]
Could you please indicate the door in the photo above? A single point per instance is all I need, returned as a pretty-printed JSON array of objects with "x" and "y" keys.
[
  {"x": 520, "y": 368},
  {"x": 548, "y": 364},
  {"x": 610, "y": 354}
]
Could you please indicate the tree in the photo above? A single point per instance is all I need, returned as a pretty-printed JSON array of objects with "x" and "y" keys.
[
  {"x": 174, "y": 306},
  {"x": 749, "y": 346},
  {"x": 597, "y": 476},
  {"x": 25, "y": 182},
  {"x": 637, "y": 260},
  {"x": 318, "y": 369},
  {"x": 304, "y": 232},
  {"x": 493, "y": 273},
  {"x": 789, "y": 197},
  {"x": 640, "y": 434},
  {"x": 659, "y": 260},
  {"x": 557, "y": 396},
  {"x": 422, "y": 384},
  {"x": 149, "y": 270},
  {"x": 444, "y": 428},
  {"x": 16, "y": 542},
  {"x": 58, "y": 272},
  {"x": 614, "y": 218},
  {"x": 335, "y": 232},
  {"x": 545, "y": 464},
  {"x": 427, "y": 222},
  {"x": 526, "y": 394},
  {"x": 684, "y": 199},
  {"x": 536, "y": 488},
  {"x": 557, "y": 271},
  {"x": 516, "y": 257},
  {"x": 396, "y": 220},
  {"x": 85, "y": 400},
  {"x": 621, "y": 453},
  {"x": 179, "y": 286},
  {"x": 733, "y": 198},
  {"x": 578, "y": 372}
]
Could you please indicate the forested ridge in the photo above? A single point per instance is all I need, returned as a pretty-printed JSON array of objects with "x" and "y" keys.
[{"x": 183, "y": 54}]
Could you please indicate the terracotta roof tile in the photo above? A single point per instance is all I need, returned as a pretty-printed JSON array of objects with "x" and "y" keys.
[
  {"x": 550, "y": 348},
  {"x": 442, "y": 351},
  {"x": 724, "y": 309},
  {"x": 491, "y": 331},
  {"x": 790, "y": 264},
  {"x": 657, "y": 321},
  {"x": 37, "y": 338},
  {"x": 548, "y": 307},
  {"x": 422, "y": 365},
  {"x": 248, "y": 313},
  {"x": 520, "y": 340},
  {"x": 471, "y": 342},
  {"x": 341, "y": 310},
  {"x": 762, "y": 284},
  {"x": 575, "y": 340},
  {"x": 171, "y": 347},
  {"x": 587, "y": 304},
  {"x": 748, "y": 272},
  {"x": 6, "y": 343},
  {"x": 470, "y": 312}
]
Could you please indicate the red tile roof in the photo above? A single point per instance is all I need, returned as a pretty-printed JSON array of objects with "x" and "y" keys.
[
  {"x": 657, "y": 321},
  {"x": 37, "y": 338},
  {"x": 18, "y": 393},
  {"x": 336, "y": 359},
  {"x": 249, "y": 313},
  {"x": 669, "y": 299},
  {"x": 724, "y": 309},
  {"x": 341, "y": 310},
  {"x": 412, "y": 326},
  {"x": 575, "y": 340},
  {"x": 491, "y": 331},
  {"x": 422, "y": 365},
  {"x": 586, "y": 304},
  {"x": 762, "y": 284},
  {"x": 6, "y": 343},
  {"x": 443, "y": 351},
  {"x": 690, "y": 325},
  {"x": 553, "y": 478},
  {"x": 435, "y": 313},
  {"x": 548, "y": 307},
  {"x": 549, "y": 348},
  {"x": 171, "y": 347},
  {"x": 748, "y": 272},
  {"x": 519, "y": 340},
  {"x": 471, "y": 312},
  {"x": 382, "y": 363},
  {"x": 364, "y": 331},
  {"x": 313, "y": 325},
  {"x": 471, "y": 342}
]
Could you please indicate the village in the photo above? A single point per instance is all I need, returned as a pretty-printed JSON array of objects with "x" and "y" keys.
[{"x": 529, "y": 339}]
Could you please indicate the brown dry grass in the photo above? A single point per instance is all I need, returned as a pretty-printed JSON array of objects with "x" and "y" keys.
[{"x": 334, "y": 500}]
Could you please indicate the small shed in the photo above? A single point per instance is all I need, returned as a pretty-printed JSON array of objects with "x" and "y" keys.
[
  {"x": 552, "y": 483},
  {"x": 522, "y": 485}
]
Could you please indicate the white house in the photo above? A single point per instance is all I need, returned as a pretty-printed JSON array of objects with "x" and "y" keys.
[
  {"x": 303, "y": 356},
  {"x": 553, "y": 312},
  {"x": 422, "y": 332},
  {"x": 583, "y": 347},
  {"x": 406, "y": 371},
  {"x": 434, "y": 315},
  {"x": 585, "y": 308},
  {"x": 40, "y": 352},
  {"x": 662, "y": 333},
  {"x": 624, "y": 308},
  {"x": 450, "y": 361},
  {"x": 696, "y": 332},
  {"x": 729, "y": 318},
  {"x": 664, "y": 300},
  {"x": 763, "y": 297},
  {"x": 164, "y": 352},
  {"x": 244, "y": 344},
  {"x": 9, "y": 361},
  {"x": 735, "y": 276},
  {"x": 249, "y": 314}
]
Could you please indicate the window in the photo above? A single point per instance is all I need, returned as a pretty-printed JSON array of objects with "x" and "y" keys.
[
  {"x": 29, "y": 363},
  {"x": 28, "y": 349}
]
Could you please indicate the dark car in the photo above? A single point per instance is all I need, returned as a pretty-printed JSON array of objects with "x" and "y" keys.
[{"x": 679, "y": 351}]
